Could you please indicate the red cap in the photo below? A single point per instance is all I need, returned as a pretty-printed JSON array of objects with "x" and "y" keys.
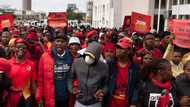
[
  {"x": 109, "y": 46},
  {"x": 4, "y": 65},
  {"x": 91, "y": 33},
  {"x": 20, "y": 40},
  {"x": 125, "y": 43},
  {"x": 32, "y": 36},
  {"x": 15, "y": 33},
  {"x": 78, "y": 34}
]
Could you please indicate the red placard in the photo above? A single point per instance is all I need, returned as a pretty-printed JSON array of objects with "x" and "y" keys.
[
  {"x": 57, "y": 19},
  {"x": 181, "y": 29},
  {"x": 126, "y": 23},
  {"x": 6, "y": 20},
  {"x": 140, "y": 23}
]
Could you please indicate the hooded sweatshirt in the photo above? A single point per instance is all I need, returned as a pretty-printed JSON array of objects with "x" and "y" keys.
[{"x": 90, "y": 77}]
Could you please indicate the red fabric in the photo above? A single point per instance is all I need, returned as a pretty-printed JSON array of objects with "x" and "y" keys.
[
  {"x": 13, "y": 100},
  {"x": 121, "y": 87},
  {"x": 4, "y": 65},
  {"x": 78, "y": 34},
  {"x": 109, "y": 47},
  {"x": 21, "y": 73},
  {"x": 46, "y": 88},
  {"x": 155, "y": 53},
  {"x": 91, "y": 33},
  {"x": 118, "y": 103},
  {"x": 125, "y": 43},
  {"x": 32, "y": 36},
  {"x": 19, "y": 40},
  {"x": 164, "y": 100}
]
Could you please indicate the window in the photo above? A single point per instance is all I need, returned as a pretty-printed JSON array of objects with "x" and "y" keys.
[{"x": 188, "y": 1}]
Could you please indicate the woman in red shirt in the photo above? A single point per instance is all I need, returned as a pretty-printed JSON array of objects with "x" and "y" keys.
[{"x": 23, "y": 76}]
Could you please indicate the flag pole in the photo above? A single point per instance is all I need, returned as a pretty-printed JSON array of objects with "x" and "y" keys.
[{"x": 158, "y": 23}]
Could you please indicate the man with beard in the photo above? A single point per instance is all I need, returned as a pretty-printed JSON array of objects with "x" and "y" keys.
[
  {"x": 23, "y": 77},
  {"x": 54, "y": 66}
]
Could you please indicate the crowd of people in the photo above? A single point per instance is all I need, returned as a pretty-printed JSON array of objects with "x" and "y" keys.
[{"x": 89, "y": 67}]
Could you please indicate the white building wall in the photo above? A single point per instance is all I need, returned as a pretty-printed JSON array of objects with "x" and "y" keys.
[
  {"x": 116, "y": 10},
  {"x": 181, "y": 10}
]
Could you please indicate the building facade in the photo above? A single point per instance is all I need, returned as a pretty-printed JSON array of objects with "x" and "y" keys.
[
  {"x": 111, "y": 13},
  {"x": 89, "y": 12},
  {"x": 26, "y": 5}
]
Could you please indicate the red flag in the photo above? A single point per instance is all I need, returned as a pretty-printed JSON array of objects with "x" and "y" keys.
[
  {"x": 126, "y": 23},
  {"x": 57, "y": 19},
  {"x": 140, "y": 23},
  {"x": 6, "y": 20},
  {"x": 181, "y": 29}
]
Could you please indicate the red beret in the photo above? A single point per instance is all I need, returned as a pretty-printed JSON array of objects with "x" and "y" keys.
[
  {"x": 109, "y": 46},
  {"x": 91, "y": 33},
  {"x": 78, "y": 34},
  {"x": 33, "y": 36},
  {"x": 4, "y": 65},
  {"x": 20, "y": 40}
]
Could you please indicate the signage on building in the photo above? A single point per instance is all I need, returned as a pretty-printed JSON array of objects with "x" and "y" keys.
[
  {"x": 57, "y": 19},
  {"x": 181, "y": 29},
  {"x": 6, "y": 20},
  {"x": 140, "y": 23}
]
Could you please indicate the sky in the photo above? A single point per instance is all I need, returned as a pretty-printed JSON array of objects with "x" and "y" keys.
[{"x": 46, "y": 5}]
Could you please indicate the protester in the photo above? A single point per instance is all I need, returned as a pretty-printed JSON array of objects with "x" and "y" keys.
[
  {"x": 54, "y": 67},
  {"x": 74, "y": 46},
  {"x": 183, "y": 86},
  {"x": 148, "y": 45},
  {"x": 123, "y": 87},
  {"x": 109, "y": 52},
  {"x": 23, "y": 77},
  {"x": 176, "y": 62},
  {"x": 5, "y": 84},
  {"x": 5, "y": 38},
  {"x": 159, "y": 90},
  {"x": 92, "y": 76}
]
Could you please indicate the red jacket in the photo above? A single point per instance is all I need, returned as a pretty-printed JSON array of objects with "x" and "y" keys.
[{"x": 46, "y": 87}]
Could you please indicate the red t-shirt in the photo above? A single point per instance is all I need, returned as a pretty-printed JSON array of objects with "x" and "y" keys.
[
  {"x": 121, "y": 87},
  {"x": 21, "y": 73}
]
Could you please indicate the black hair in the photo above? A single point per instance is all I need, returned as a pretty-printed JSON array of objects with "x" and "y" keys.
[
  {"x": 154, "y": 67},
  {"x": 164, "y": 33},
  {"x": 148, "y": 33}
]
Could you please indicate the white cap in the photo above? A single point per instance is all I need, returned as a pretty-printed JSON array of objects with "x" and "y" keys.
[{"x": 74, "y": 40}]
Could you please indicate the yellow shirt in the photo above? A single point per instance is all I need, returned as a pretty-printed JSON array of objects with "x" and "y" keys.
[{"x": 177, "y": 69}]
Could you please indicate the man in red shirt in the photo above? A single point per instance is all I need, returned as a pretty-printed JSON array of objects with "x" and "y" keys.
[
  {"x": 23, "y": 77},
  {"x": 123, "y": 83}
]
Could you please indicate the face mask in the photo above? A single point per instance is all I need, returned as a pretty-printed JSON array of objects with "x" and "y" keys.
[{"x": 89, "y": 60}]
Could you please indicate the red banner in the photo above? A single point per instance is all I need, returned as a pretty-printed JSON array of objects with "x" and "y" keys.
[
  {"x": 6, "y": 20},
  {"x": 140, "y": 23},
  {"x": 57, "y": 19},
  {"x": 126, "y": 23},
  {"x": 181, "y": 29}
]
